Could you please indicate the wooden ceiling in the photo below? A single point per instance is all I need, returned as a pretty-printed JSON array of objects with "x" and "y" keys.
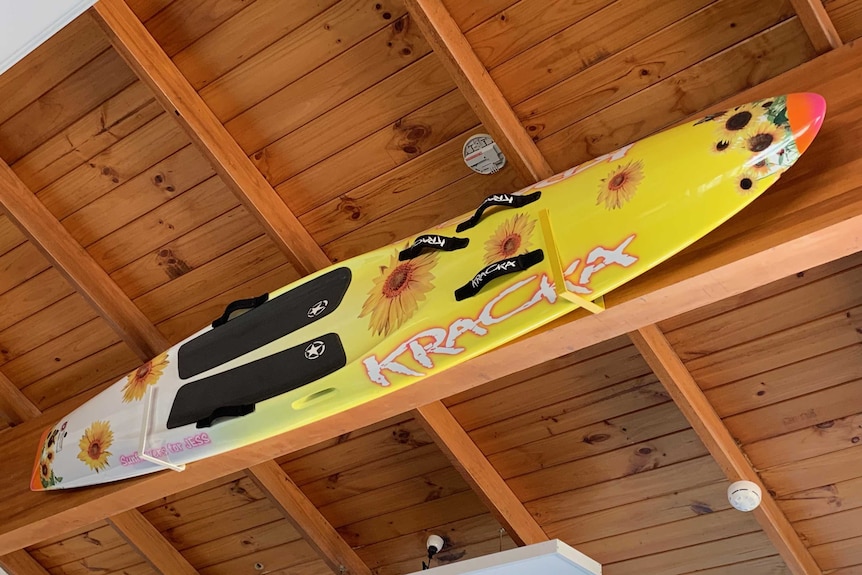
[{"x": 162, "y": 158}]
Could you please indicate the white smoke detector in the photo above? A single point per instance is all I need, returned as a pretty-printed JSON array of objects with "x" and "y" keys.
[
  {"x": 483, "y": 155},
  {"x": 744, "y": 495}
]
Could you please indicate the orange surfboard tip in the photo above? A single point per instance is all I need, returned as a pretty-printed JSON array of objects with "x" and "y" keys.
[{"x": 806, "y": 111}]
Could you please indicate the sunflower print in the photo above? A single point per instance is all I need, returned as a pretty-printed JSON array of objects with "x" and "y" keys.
[
  {"x": 721, "y": 146},
  {"x": 759, "y": 138},
  {"x": 397, "y": 292},
  {"x": 47, "y": 477},
  {"x": 731, "y": 126},
  {"x": 745, "y": 181},
  {"x": 511, "y": 238},
  {"x": 139, "y": 380},
  {"x": 620, "y": 185},
  {"x": 94, "y": 445},
  {"x": 762, "y": 168}
]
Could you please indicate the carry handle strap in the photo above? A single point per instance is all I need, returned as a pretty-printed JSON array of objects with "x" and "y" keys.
[
  {"x": 240, "y": 304},
  {"x": 506, "y": 200},
  {"x": 433, "y": 242},
  {"x": 496, "y": 270}
]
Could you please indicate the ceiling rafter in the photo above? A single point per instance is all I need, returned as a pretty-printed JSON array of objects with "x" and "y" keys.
[
  {"x": 696, "y": 284},
  {"x": 150, "y": 544},
  {"x": 155, "y": 68},
  {"x": 14, "y": 403},
  {"x": 21, "y": 563},
  {"x": 818, "y": 25},
  {"x": 480, "y": 475},
  {"x": 481, "y": 92},
  {"x": 680, "y": 385},
  {"x": 133, "y": 526},
  {"x": 147, "y": 59},
  {"x": 305, "y": 517},
  {"x": 776, "y": 249},
  {"x": 489, "y": 104},
  {"x": 78, "y": 267}
]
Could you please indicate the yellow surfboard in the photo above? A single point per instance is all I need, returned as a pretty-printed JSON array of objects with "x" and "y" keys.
[{"x": 386, "y": 319}]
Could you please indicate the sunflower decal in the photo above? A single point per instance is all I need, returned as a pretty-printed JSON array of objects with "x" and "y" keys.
[
  {"x": 145, "y": 376},
  {"x": 397, "y": 292},
  {"x": 746, "y": 181},
  {"x": 760, "y": 137},
  {"x": 732, "y": 124},
  {"x": 46, "y": 462},
  {"x": 721, "y": 146},
  {"x": 510, "y": 239},
  {"x": 762, "y": 168},
  {"x": 94, "y": 445},
  {"x": 620, "y": 185}
]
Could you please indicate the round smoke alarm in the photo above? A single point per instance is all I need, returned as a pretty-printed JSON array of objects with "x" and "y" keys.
[
  {"x": 482, "y": 154},
  {"x": 744, "y": 495}
]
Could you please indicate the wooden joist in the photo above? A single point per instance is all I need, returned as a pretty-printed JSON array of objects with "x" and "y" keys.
[
  {"x": 153, "y": 547},
  {"x": 21, "y": 563},
  {"x": 132, "y": 40},
  {"x": 680, "y": 385},
  {"x": 479, "y": 474},
  {"x": 483, "y": 95},
  {"x": 821, "y": 224},
  {"x": 305, "y": 517},
  {"x": 818, "y": 25},
  {"x": 14, "y": 403},
  {"x": 79, "y": 268}
]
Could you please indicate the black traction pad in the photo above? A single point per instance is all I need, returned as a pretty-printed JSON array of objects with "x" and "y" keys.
[
  {"x": 265, "y": 323},
  {"x": 235, "y": 392}
]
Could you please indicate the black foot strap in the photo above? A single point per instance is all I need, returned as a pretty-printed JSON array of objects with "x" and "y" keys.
[
  {"x": 502, "y": 200},
  {"x": 432, "y": 242},
  {"x": 496, "y": 270}
]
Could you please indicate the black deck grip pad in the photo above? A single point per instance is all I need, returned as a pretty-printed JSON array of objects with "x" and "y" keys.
[
  {"x": 265, "y": 323},
  {"x": 237, "y": 390}
]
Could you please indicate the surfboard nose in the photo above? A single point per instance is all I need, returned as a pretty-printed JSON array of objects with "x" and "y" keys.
[{"x": 805, "y": 111}]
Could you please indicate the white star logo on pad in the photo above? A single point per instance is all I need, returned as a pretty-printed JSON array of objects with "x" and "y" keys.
[
  {"x": 318, "y": 308},
  {"x": 315, "y": 350}
]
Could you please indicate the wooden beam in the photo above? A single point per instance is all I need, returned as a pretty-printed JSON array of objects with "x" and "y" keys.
[
  {"x": 823, "y": 222},
  {"x": 481, "y": 92},
  {"x": 469, "y": 460},
  {"x": 818, "y": 25},
  {"x": 93, "y": 283},
  {"x": 152, "y": 546},
  {"x": 668, "y": 367},
  {"x": 141, "y": 51},
  {"x": 14, "y": 403},
  {"x": 21, "y": 563},
  {"x": 305, "y": 517},
  {"x": 79, "y": 268}
]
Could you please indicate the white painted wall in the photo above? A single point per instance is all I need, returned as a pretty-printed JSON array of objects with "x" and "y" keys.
[{"x": 24, "y": 24}]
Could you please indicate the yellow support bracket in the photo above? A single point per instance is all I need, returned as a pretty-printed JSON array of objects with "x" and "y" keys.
[{"x": 595, "y": 306}]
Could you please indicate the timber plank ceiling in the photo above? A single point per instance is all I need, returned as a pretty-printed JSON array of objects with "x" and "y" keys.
[{"x": 350, "y": 120}]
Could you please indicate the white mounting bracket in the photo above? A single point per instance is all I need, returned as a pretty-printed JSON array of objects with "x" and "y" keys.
[{"x": 145, "y": 424}]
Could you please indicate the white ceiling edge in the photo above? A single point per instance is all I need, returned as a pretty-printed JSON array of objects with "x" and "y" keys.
[
  {"x": 547, "y": 558},
  {"x": 26, "y": 24}
]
